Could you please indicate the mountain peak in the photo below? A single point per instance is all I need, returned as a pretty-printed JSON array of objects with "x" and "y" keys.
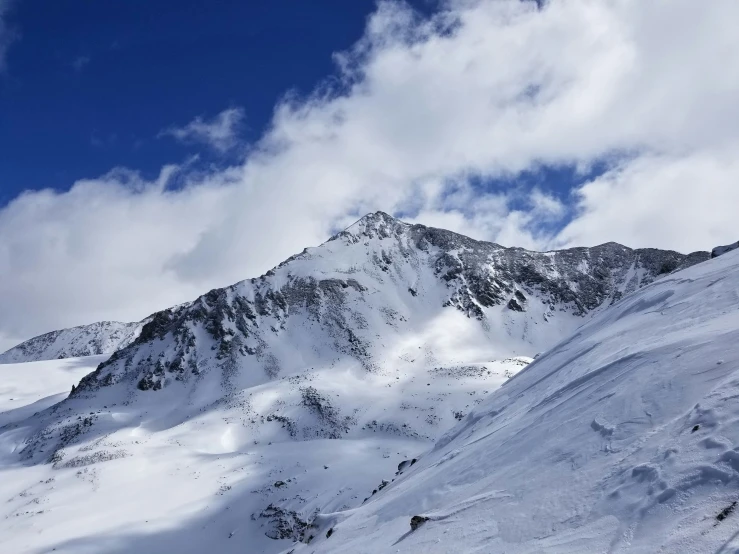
[{"x": 371, "y": 225}]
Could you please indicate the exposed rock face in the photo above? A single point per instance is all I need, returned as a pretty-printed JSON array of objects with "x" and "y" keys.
[
  {"x": 724, "y": 249},
  {"x": 103, "y": 337},
  {"x": 351, "y": 295},
  {"x": 417, "y": 521},
  {"x": 285, "y": 524}
]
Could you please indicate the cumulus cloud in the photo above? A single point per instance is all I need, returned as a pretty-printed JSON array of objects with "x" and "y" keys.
[
  {"x": 220, "y": 132},
  {"x": 423, "y": 113},
  {"x": 686, "y": 203}
]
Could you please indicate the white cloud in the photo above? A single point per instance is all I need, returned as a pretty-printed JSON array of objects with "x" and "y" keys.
[
  {"x": 220, "y": 132},
  {"x": 685, "y": 203},
  {"x": 486, "y": 89},
  {"x": 7, "y": 34}
]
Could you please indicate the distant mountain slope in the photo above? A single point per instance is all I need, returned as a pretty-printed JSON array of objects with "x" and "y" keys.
[
  {"x": 376, "y": 293},
  {"x": 104, "y": 337},
  {"x": 623, "y": 438}
]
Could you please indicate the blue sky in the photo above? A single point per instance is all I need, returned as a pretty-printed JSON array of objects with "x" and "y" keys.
[
  {"x": 150, "y": 151},
  {"x": 89, "y": 85}
]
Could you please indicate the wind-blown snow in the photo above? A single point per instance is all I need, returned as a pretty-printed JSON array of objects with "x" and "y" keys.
[{"x": 623, "y": 438}]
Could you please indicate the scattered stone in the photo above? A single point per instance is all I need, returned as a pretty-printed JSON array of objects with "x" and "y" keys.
[
  {"x": 726, "y": 512},
  {"x": 417, "y": 521}
]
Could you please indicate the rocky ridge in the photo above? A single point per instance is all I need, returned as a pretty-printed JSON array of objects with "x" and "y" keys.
[{"x": 255, "y": 328}]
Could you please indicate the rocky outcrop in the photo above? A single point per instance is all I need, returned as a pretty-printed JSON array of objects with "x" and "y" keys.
[
  {"x": 719, "y": 250},
  {"x": 417, "y": 521},
  {"x": 285, "y": 524}
]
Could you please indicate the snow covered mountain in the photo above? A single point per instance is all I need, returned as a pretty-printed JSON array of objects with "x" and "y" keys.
[
  {"x": 382, "y": 293},
  {"x": 103, "y": 337},
  {"x": 623, "y": 438},
  {"x": 217, "y": 427}
]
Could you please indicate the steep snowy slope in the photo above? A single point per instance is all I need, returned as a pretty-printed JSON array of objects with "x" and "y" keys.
[
  {"x": 103, "y": 337},
  {"x": 623, "y": 438}
]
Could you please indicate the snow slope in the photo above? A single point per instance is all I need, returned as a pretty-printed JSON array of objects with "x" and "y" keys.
[
  {"x": 103, "y": 337},
  {"x": 34, "y": 386},
  {"x": 138, "y": 478},
  {"x": 622, "y": 438}
]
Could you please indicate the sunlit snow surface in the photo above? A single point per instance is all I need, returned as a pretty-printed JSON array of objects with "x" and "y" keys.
[
  {"x": 142, "y": 482},
  {"x": 623, "y": 438},
  {"x": 30, "y": 387}
]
